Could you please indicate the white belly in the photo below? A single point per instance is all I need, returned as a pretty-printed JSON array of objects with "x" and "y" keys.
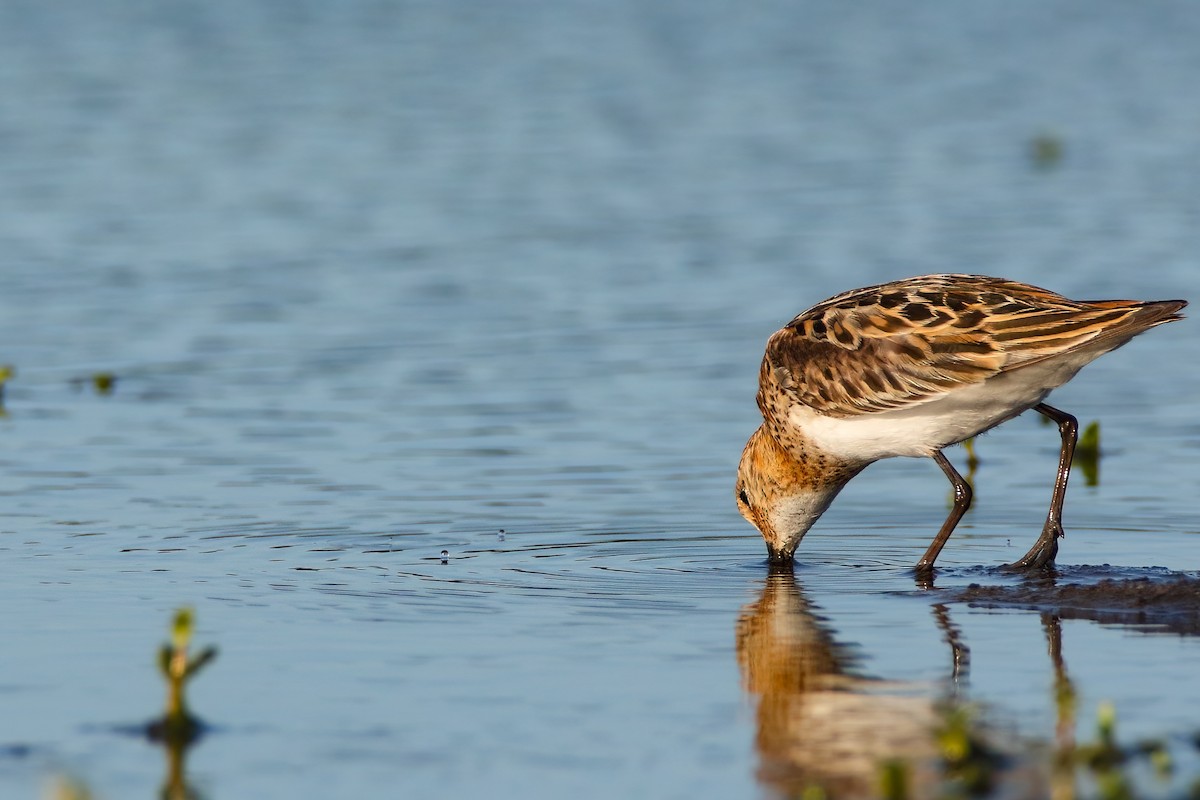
[{"x": 925, "y": 428}]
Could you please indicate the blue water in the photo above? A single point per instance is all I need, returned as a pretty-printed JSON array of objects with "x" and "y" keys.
[{"x": 382, "y": 279}]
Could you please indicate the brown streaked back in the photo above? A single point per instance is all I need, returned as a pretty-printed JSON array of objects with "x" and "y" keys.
[{"x": 898, "y": 344}]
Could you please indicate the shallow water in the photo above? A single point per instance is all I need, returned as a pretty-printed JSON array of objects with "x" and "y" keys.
[{"x": 379, "y": 280}]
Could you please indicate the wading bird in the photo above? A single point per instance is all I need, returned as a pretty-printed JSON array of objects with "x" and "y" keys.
[{"x": 909, "y": 368}]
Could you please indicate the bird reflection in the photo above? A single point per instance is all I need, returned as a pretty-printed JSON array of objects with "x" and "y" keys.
[
  {"x": 825, "y": 731},
  {"x": 819, "y": 724},
  {"x": 1063, "y": 776},
  {"x": 952, "y": 635}
]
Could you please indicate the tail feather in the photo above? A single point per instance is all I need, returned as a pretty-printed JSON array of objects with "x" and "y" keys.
[{"x": 1143, "y": 317}]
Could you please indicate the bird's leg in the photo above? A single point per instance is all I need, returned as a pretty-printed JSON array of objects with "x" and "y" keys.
[
  {"x": 962, "y": 501},
  {"x": 952, "y": 635},
  {"x": 1046, "y": 547}
]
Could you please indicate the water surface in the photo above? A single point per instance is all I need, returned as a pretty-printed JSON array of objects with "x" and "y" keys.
[{"x": 383, "y": 279}]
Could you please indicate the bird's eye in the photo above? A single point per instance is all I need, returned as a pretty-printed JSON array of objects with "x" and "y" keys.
[{"x": 743, "y": 497}]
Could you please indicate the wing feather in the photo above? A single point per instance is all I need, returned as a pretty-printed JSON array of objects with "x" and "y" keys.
[{"x": 895, "y": 345}]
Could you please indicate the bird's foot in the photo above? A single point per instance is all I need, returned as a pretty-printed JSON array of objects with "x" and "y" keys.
[
  {"x": 923, "y": 574},
  {"x": 1041, "y": 555}
]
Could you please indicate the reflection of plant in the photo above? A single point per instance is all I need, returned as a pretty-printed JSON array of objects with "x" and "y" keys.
[
  {"x": 972, "y": 458},
  {"x": 1087, "y": 453},
  {"x": 968, "y": 765},
  {"x": 893, "y": 780},
  {"x": 967, "y": 759},
  {"x": 178, "y": 724},
  {"x": 1106, "y": 759},
  {"x": 971, "y": 767}
]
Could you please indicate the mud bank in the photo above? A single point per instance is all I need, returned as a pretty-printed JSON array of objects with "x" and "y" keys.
[{"x": 1154, "y": 601}]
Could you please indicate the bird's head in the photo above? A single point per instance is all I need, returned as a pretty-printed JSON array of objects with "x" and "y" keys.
[{"x": 783, "y": 495}]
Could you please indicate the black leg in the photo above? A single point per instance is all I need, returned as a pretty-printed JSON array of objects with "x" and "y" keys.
[
  {"x": 1043, "y": 551},
  {"x": 962, "y": 501}
]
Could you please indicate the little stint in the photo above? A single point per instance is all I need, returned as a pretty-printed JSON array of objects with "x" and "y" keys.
[{"x": 909, "y": 368}]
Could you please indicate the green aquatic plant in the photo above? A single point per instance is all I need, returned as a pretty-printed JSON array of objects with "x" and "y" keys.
[
  {"x": 7, "y": 373},
  {"x": 1045, "y": 151},
  {"x": 177, "y": 723},
  {"x": 104, "y": 382}
]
